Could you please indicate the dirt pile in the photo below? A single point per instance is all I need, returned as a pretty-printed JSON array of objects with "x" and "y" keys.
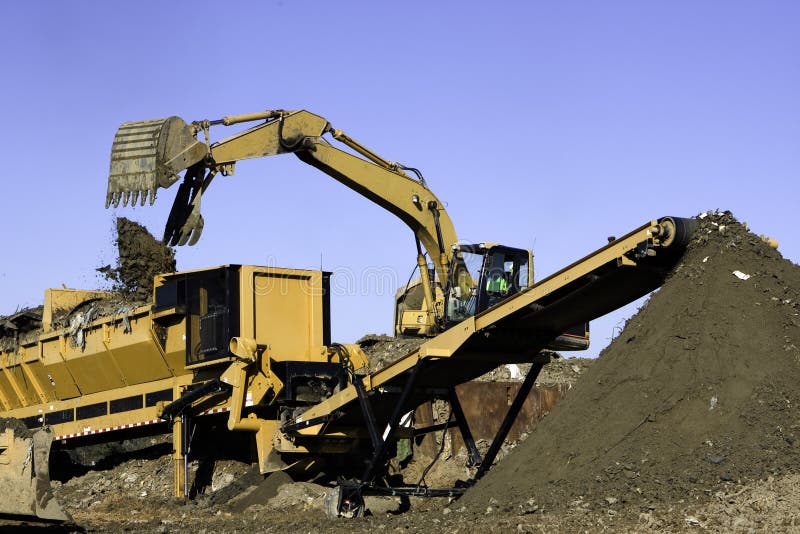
[
  {"x": 140, "y": 257},
  {"x": 698, "y": 393}
]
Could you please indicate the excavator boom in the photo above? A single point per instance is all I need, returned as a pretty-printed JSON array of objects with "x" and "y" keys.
[{"x": 149, "y": 155}]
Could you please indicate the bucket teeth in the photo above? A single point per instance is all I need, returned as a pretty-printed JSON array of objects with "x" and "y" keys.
[
  {"x": 146, "y": 155},
  {"x": 114, "y": 197}
]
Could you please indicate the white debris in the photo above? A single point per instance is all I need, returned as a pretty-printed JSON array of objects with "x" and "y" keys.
[
  {"x": 221, "y": 480},
  {"x": 692, "y": 521},
  {"x": 705, "y": 259},
  {"x": 713, "y": 403},
  {"x": 740, "y": 275},
  {"x": 513, "y": 370}
]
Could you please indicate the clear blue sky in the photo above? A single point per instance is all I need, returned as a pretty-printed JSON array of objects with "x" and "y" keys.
[{"x": 587, "y": 118}]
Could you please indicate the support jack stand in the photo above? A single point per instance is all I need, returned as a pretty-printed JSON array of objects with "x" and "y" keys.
[{"x": 347, "y": 499}]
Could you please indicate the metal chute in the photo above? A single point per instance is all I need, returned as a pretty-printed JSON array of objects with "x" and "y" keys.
[{"x": 25, "y": 474}]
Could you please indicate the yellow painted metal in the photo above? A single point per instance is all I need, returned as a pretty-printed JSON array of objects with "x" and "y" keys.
[
  {"x": 247, "y": 117},
  {"x": 24, "y": 476},
  {"x": 614, "y": 251},
  {"x": 442, "y": 346},
  {"x": 265, "y": 439},
  {"x": 178, "y": 470},
  {"x": 282, "y": 318},
  {"x": 32, "y": 372},
  {"x": 287, "y": 312},
  {"x": 146, "y": 155},
  {"x": 355, "y": 354}
]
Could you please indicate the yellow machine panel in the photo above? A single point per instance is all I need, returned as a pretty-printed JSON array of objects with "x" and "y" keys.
[{"x": 288, "y": 314}]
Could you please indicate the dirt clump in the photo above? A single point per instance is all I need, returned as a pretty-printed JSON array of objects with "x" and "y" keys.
[
  {"x": 20, "y": 327},
  {"x": 140, "y": 257},
  {"x": 382, "y": 350},
  {"x": 698, "y": 392},
  {"x": 19, "y": 428}
]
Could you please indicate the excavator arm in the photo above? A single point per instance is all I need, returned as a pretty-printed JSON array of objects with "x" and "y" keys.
[{"x": 148, "y": 155}]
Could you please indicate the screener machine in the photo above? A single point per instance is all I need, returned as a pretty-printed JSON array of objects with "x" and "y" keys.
[{"x": 253, "y": 344}]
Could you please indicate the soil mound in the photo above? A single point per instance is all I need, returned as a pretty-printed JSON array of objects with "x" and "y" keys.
[
  {"x": 698, "y": 392},
  {"x": 141, "y": 256}
]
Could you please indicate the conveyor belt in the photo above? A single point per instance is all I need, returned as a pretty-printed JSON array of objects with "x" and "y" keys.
[{"x": 517, "y": 329}]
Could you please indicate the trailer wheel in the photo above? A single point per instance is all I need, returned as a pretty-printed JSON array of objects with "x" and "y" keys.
[{"x": 338, "y": 505}]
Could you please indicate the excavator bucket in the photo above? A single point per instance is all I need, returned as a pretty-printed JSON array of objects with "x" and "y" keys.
[
  {"x": 25, "y": 474},
  {"x": 147, "y": 155}
]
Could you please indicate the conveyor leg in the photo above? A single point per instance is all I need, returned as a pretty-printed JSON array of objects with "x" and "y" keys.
[
  {"x": 474, "y": 457},
  {"x": 394, "y": 423},
  {"x": 178, "y": 471},
  {"x": 366, "y": 410},
  {"x": 348, "y": 500},
  {"x": 186, "y": 424},
  {"x": 509, "y": 419}
]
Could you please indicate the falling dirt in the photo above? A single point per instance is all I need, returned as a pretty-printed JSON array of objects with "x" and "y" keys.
[
  {"x": 140, "y": 257},
  {"x": 697, "y": 393}
]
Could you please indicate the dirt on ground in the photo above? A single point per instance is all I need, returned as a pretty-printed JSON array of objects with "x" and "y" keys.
[{"x": 688, "y": 421}]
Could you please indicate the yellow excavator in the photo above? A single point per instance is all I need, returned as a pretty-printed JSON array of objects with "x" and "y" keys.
[
  {"x": 461, "y": 281},
  {"x": 252, "y": 344}
]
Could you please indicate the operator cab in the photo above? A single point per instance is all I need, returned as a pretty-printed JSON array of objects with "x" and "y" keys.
[{"x": 483, "y": 275}]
